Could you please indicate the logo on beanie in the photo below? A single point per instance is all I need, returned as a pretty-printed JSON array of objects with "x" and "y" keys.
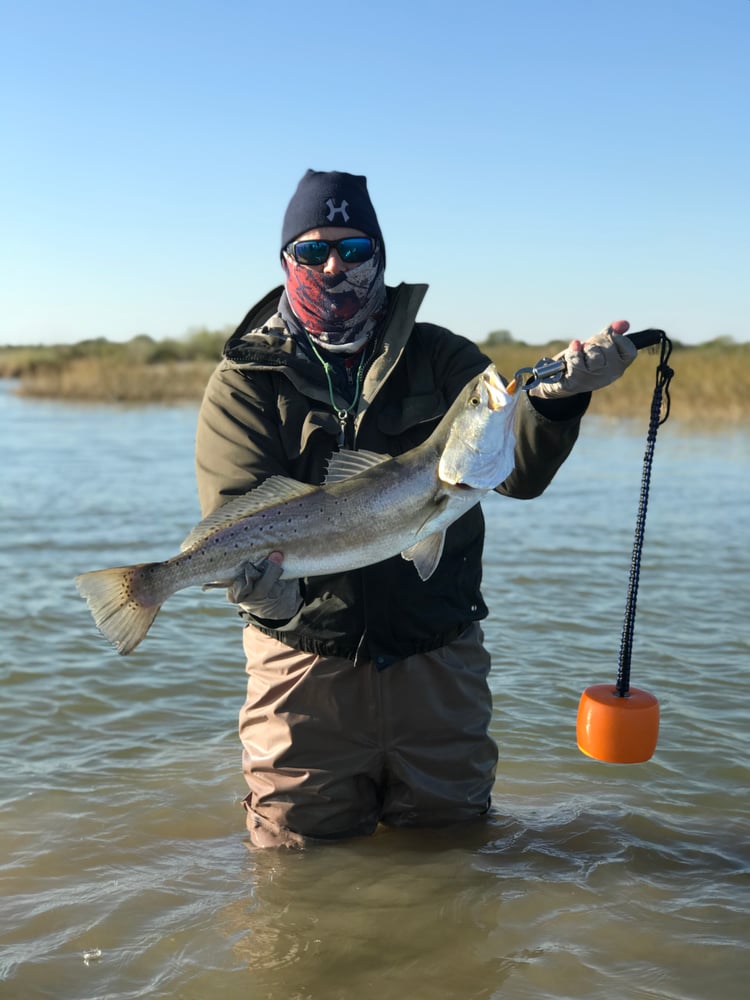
[{"x": 333, "y": 210}]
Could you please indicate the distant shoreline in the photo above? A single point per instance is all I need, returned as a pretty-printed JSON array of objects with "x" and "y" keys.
[{"x": 711, "y": 382}]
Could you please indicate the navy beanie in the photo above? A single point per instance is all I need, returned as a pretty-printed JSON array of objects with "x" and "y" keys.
[{"x": 330, "y": 198}]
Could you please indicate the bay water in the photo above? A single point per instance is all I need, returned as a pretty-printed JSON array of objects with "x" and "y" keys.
[{"x": 124, "y": 866}]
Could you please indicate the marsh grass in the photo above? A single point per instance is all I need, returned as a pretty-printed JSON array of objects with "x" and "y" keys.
[
  {"x": 96, "y": 380},
  {"x": 711, "y": 383}
]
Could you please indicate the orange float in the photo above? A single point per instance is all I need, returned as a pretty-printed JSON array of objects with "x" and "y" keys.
[{"x": 615, "y": 728}]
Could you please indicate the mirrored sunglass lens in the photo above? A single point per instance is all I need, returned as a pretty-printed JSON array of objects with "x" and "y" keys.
[
  {"x": 355, "y": 249},
  {"x": 312, "y": 252}
]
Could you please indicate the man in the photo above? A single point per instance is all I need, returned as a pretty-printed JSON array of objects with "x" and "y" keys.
[{"x": 367, "y": 698}]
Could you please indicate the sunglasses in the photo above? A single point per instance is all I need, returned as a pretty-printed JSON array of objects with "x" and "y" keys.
[{"x": 352, "y": 250}]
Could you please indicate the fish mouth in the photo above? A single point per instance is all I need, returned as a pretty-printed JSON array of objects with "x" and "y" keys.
[{"x": 497, "y": 395}]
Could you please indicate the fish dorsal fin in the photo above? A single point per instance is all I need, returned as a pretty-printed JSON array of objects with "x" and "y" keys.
[
  {"x": 426, "y": 554},
  {"x": 345, "y": 464},
  {"x": 272, "y": 491}
]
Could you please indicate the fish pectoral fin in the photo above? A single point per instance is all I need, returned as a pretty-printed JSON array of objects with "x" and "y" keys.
[
  {"x": 272, "y": 491},
  {"x": 426, "y": 554},
  {"x": 345, "y": 464}
]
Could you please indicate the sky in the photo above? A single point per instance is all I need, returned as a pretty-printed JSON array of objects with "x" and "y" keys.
[{"x": 545, "y": 166}]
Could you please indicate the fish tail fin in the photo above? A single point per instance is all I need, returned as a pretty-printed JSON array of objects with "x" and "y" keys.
[{"x": 119, "y": 615}]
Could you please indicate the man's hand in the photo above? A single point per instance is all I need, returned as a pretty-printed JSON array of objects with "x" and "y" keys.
[
  {"x": 592, "y": 364},
  {"x": 259, "y": 590}
]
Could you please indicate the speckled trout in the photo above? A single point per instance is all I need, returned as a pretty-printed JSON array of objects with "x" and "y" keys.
[{"x": 369, "y": 508}]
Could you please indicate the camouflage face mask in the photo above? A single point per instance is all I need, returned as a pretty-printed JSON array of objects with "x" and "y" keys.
[{"x": 339, "y": 311}]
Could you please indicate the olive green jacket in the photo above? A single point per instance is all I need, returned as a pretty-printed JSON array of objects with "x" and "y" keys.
[{"x": 267, "y": 411}]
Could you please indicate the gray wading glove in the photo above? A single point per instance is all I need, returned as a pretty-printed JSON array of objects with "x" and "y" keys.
[
  {"x": 592, "y": 364},
  {"x": 259, "y": 590}
]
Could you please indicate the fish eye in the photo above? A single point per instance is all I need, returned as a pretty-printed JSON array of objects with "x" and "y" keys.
[{"x": 474, "y": 401}]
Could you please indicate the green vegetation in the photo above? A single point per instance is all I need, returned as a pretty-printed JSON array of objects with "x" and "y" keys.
[{"x": 711, "y": 383}]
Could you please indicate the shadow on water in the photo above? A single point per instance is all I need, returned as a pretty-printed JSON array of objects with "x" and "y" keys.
[{"x": 404, "y": 913}]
